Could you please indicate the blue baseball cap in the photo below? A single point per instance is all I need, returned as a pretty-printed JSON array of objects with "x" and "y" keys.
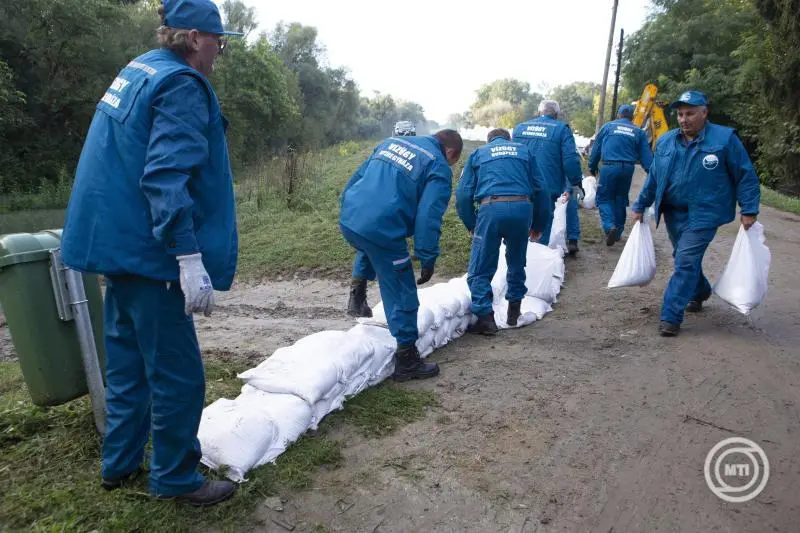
[
  {"x": 692, "y": 98},
  {"x": 625, "y": 110},
  {"x": 200, "y": 15}
]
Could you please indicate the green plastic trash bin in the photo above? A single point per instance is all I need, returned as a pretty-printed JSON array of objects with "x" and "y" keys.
[{"x": 47, "y": 347}]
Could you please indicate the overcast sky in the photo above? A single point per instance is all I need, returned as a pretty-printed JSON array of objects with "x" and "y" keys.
[{"x": 438, "y": 55}]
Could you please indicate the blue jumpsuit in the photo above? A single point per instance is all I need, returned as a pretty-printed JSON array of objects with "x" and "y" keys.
[
  {"x": 401, "y": 191},
  {"x": 500, "y": 168},
  {"x": 552, "y": 143},
  {"x": 696, "y": 188},
  {"x": 619, "y": 144},
  {"x": 153, "y": 182}
]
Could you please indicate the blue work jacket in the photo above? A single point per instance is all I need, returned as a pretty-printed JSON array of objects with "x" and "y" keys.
[
  {"x": 621, "y": 141},
  {"x": 552, "y": 143}
]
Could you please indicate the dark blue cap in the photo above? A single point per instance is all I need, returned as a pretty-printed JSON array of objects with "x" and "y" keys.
[
  {"x": 625, "y": 110},
  {"x": 692, "y": 98},
  {"x": 200, "y": 15}
]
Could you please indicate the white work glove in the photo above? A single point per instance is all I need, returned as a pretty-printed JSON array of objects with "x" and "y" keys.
[{"x": 196, "y": 285}]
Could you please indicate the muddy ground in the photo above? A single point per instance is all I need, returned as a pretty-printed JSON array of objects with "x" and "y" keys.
[{"x": 584, "y": 421}]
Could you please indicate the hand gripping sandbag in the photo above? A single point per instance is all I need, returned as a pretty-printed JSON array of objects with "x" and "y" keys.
[
  {"x": 637, "y": 263},
  {"x": 743, "y": 283},
  {"x": 590, "y": 187}
]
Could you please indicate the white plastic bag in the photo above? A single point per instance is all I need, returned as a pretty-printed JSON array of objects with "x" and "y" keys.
[
  {"x": 637, "y": 263},
  {"x": 590, "y": 188},
  {"x": 743, "y": 283},
  {"x": 235, "y": 434},
  {"x": 544, "y": 270},
  {"x": 558, "y": 231}
]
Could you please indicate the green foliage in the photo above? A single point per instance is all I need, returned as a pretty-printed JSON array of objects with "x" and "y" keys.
[
  {"x": 745, "y": 55},
  {"x": 503, "y": 103},
  {"x": 57, "y": 58}
]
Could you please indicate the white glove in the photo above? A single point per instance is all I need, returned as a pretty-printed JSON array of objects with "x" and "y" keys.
[{"x": 196, "y": 285}]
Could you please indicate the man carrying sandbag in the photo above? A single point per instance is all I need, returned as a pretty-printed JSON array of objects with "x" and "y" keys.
[
  {"x": 552, "y": 143},
  {"x": 401, "y": 191},
  {"x": 504, "y": 179},
  {"x": 619, "y": 145},
  {"x": 698, "y": 174}
]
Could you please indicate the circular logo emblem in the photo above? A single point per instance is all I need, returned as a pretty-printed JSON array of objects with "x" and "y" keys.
[
  {"x": 685, "y": 97},
  {"x": 710, "y": 162},
  {"x": 736, "y": 470}
]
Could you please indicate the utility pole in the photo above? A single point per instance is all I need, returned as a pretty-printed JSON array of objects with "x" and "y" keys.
[
  {"x": 603, "y": 88},
  {"x": 619, "y": 70}
]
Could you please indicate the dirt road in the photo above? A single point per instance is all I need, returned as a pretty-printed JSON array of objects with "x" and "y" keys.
[{"x": 584, "y": 421}]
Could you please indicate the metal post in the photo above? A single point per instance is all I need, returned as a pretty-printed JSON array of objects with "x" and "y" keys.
[
  {"x": 91, "y": 366},
  {"x": 619, "y": 70},
  {"x": 603, "y": 88}
]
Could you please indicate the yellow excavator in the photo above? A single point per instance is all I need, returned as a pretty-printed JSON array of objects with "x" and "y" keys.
[{"x": 649, "y": 115}]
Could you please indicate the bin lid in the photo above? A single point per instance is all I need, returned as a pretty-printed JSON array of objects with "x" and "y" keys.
[{"x": 16, "y": 248}]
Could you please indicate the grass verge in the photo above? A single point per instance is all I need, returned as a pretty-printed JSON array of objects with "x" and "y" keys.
[
  {"x": 50, "y": 462},
  {"x": 780, "y": 201}
]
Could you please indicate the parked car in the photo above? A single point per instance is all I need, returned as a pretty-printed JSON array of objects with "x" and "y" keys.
[{"x": 405, "y": 128}]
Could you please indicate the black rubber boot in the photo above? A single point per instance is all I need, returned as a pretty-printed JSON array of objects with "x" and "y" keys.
[
  {"x": 694, "y": 306},
  {"x": 120, "y": 482},
  {"x": 357, "y": 304},
  {"x": 211, "y": 492},
  {"x": 611, "y": 236},
  {"x": 409, "y": 365},
  {"x": 668, "y": 329},
  {"x": 485, "y": 325},
  {"x": 572, "y": 247},
  {"x": 513, "y": 313}
]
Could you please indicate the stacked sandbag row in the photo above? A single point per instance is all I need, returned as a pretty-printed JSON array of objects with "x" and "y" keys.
[{"x": 292, "y": 390}]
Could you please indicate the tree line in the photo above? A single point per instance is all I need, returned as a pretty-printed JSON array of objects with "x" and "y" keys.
[{"x": 57, "y": 57}]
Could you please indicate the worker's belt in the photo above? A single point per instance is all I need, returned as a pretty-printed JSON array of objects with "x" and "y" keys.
[
  {"x": 490, "y": 199},
  {"x": 618, "y": 162}
]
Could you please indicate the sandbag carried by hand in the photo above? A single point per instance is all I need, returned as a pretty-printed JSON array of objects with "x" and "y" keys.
[
  {"x": 637, "y": 264},
  {"x": 743, "y": 283}
]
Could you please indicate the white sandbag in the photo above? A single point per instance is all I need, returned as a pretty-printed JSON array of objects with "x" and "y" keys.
[
  {"x": 537, "y": 306},
  {"x": 383, "y": 373},
  {"x": 291, "y": 415},
  {"x": 463, "y": 325},
  {"x": 743, "y": 283},
  {"x": 296, "y": 370},
  {"x": 236, "y": 435},
  {"x": 441, "y": 336},
  {"x": 590, "y": 188},
  {"x": 330, "y": 403},
  {"x": 425, "y": 317},
  {"x": 424, "y": 343},
  {"x": 347, "y": 351},
  {"x": 544, "y": 272},
  {"x": 637, "y": 263},
  {"x": 558, "y": 231},
  {"x": 501, "y": 317},
  {"x": 460, "y": 289}
]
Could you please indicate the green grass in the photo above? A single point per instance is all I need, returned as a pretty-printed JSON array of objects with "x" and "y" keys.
[
  {"x": 780, "y": 201},
  {"x": 31, "y": 221},
  {"x": 50, "y": 461}
]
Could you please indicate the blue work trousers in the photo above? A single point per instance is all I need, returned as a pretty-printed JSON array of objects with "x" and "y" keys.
[
  {"x": 155, "y": 384},
  {"x": 391, "y": 263},
  {"x": 613, "y": 189},
  {"x": 688, "y": 281},
  {"x": 573, "y": 221},
  {"x": 499, "y": 221}
]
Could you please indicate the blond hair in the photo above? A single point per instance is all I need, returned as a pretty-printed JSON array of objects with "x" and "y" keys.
[{"x": 173, "y": 39}]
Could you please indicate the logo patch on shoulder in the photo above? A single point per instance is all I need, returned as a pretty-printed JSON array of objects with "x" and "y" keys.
[{"x": 710, "y": 162}]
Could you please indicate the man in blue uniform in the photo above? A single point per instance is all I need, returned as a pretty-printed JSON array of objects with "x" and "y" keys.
[
  {"x": 152, "y": 209},
  {"x": 620, "y": 144},
  {"x": 401, "y": 191},
  {"x": 699, "y": 172},
  {"x": 552, "y": 143},
  {"x": 504, "y": 179}
]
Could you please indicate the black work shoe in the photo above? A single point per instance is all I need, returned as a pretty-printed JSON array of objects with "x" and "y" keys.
[
  {"x": 611, "y": 236},
  {"x": 572, "y": 247},
  {"x": 211, "y": 492},
  {"x": 513, "y": 313},
  {"x": 357, "y": 304},
  {"x": 409, "y": 365},
  {"x": 694, "y": 306},
  {"x": 119, "y": 482},
  {"x": 668, "y": 329},
  {"x": 485, "y": 325}
]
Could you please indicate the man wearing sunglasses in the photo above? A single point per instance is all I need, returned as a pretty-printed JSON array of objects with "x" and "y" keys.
[{"x": 152, "y": 209}]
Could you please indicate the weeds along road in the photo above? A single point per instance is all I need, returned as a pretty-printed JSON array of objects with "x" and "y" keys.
[{"x": 584, "y": 421}]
